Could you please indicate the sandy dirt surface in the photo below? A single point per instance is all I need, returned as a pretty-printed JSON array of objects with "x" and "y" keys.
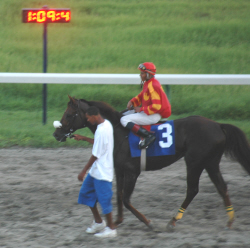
[{"x": 38, "y": 205}]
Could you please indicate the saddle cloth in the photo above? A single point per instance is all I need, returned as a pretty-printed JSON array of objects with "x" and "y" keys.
[{"x": 164, "y": 143}]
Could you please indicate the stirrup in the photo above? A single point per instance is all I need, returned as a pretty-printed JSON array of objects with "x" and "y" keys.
[{"x": 146, "y": 141}]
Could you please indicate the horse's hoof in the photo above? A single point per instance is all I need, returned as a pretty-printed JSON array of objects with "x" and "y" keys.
[
  {"x": 171, "y": 226},
  {"x": 118, "y": 222},
  {"x": 229, "y": 225},
  {"x": 150, "y": 225}
]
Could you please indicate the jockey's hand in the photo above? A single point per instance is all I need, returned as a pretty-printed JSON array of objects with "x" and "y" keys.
[
  {"x": 129, "y": 105},
  {"x": 137, "y": 109}
]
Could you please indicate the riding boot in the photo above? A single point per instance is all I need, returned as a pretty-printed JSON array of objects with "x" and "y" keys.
[{"x": 148, "y": 137}]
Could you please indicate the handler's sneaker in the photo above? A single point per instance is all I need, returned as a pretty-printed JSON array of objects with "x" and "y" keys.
[
  {"x": 106, "y": 233},
  {"x": 96, "y": 227}
]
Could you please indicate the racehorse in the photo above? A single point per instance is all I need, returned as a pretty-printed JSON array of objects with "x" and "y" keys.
[{"x": 201, "y": 142}]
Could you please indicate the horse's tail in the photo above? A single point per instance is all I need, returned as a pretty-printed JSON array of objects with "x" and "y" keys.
[{"x": 237, "y": 146}]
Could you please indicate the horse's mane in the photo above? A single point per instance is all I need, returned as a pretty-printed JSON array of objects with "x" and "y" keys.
[{"x": 106, "y": 110}]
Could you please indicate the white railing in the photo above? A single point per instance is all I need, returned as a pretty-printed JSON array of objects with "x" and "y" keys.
[{"x": 88, "y": 78}]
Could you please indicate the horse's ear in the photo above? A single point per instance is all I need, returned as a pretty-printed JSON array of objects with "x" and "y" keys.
[{"x": 72, "y": 100}]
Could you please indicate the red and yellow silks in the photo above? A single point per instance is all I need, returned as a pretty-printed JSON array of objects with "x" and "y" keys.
[{"x": 153, "y": 99}]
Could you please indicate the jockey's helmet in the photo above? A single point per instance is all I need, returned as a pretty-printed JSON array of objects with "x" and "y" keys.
[{"x": 148, "y": 67}]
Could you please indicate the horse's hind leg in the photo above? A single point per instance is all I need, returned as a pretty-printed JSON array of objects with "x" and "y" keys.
[
  {"x": 129, "y": 185},
  {"x": 216, "y": 177},
  {"x": 193, "y": 177}
]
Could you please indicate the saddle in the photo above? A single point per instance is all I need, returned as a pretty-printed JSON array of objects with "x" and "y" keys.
[{"x": 164, "y": 143}]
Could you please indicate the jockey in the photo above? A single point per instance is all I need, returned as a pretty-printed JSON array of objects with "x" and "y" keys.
[{"x": 154, "y": 105}]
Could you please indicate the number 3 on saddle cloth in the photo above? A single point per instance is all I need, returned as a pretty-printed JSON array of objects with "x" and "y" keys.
[{"x": 164, "y": 143}]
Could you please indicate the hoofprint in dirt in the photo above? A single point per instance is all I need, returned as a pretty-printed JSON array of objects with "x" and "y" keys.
[{"x": 38, "y": 205}]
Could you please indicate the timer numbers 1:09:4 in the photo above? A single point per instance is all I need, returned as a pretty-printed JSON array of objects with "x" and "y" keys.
[{"x": 48, "y": 16}]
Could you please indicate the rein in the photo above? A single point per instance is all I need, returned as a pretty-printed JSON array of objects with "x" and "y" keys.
[{"x": 125, "y": 110}]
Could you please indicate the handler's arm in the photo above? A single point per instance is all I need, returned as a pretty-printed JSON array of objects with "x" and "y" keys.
[
  {"x": 86, "y": 168},
  {"x": 80, "y": 137}
]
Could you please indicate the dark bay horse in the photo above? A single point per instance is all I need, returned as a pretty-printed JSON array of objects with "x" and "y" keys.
[{"x": 201, "y": 142}]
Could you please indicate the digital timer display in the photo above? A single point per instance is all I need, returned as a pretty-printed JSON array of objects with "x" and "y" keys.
[{"x": 46, "y": 15}]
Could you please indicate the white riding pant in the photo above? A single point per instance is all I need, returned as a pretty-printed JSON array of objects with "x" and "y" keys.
[{"x": 139, "y": 118}]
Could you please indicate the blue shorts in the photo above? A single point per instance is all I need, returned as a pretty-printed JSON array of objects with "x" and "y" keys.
[{"x": 94, "y": 190}]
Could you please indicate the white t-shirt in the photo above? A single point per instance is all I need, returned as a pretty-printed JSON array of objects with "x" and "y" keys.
[{"x": 103, "y": 167}]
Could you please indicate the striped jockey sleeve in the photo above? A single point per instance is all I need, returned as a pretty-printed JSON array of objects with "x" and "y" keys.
[
  {"x": 155, "y": 95},
  {"x": 137, "y": 99}
]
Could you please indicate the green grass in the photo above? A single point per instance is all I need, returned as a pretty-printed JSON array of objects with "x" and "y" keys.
[
  {"x": 25, "y": 128},
  {"x": 179, "y": 36},
  {"x": 215, "y": 102},
  {"x": 114, "y": 36}
]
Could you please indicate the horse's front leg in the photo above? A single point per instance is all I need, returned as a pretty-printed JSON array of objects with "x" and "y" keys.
[
  {"x": 119, "y": 189},
  {"x": 129, "y": 185}
]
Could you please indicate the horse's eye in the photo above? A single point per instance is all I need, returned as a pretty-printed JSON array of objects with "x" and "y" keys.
[{"x": 68, "y": 116}]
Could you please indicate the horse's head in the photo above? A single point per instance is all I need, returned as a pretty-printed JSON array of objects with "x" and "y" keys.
[{"x": 72, "y": 119}]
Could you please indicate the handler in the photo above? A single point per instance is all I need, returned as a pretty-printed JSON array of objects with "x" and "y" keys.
[
  {"x": 97, "y": 186},
  {"x": 154, "y": 105}
]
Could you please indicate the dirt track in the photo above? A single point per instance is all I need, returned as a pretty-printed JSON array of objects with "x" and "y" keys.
[{"x": 38, "y": 205}]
